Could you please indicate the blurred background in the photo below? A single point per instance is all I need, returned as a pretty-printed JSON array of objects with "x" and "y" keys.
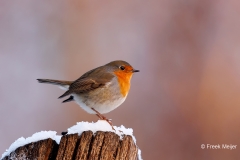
[{"x": 187, "y": 92}]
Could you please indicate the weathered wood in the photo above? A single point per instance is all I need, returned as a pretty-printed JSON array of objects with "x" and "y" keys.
[
  {"x": 41, "y": 150},
  {"x": 96, "y": 146},
  {"x": 83, "y": 145},
  {"x": 101, "y": 146},
  {"x": 110, "y": 145},
  {"x": 67, "y": 146},
  {"x": 127, "y": 149}
]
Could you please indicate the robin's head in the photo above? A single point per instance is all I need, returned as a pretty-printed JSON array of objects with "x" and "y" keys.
[
  {"x": 121, "y": 67},
  {"x": 123, "y": 71}
]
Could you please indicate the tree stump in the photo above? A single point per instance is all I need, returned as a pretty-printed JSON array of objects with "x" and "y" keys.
[{"x": 87, "y": 146}]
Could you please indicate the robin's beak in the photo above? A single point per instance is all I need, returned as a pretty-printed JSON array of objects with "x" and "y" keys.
[{"x": 134, "y": 70}]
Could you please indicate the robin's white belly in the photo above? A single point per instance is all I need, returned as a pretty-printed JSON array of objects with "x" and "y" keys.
[{"x": 102, "y": 108}]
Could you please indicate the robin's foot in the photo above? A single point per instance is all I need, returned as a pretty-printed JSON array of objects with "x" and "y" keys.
[
  {"x": 104, "y": 118},
  {"x": 100, "y": 116}
]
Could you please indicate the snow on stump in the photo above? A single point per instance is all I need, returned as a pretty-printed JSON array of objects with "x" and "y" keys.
[{"x": 84, "y": 141}]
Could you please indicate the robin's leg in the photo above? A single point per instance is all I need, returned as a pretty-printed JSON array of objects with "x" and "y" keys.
[
  {"x": 103, "y": 117},
  {"x": 99, "y": 116}
]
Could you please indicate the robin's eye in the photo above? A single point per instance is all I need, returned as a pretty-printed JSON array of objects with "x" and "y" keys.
[{"x": 122, "y": 68}]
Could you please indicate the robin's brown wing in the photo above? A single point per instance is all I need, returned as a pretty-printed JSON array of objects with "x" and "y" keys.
[{"x": 83, "y": 85}]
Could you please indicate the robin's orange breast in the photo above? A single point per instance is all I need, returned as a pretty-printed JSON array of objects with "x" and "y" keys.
[{"x": 123, "y": 81}]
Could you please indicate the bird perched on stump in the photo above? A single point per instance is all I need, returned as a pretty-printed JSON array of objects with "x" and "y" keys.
[{"x": 99, "y": 90}]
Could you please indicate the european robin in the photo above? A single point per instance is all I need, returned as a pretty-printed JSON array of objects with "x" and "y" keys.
[{"x": 99, "y": 90}]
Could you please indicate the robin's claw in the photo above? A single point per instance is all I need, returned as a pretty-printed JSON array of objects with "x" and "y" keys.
[{"x": 100, "y": 116}]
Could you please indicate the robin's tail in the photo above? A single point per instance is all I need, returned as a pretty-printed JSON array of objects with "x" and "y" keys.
[{"x": 62, "y": 84}]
